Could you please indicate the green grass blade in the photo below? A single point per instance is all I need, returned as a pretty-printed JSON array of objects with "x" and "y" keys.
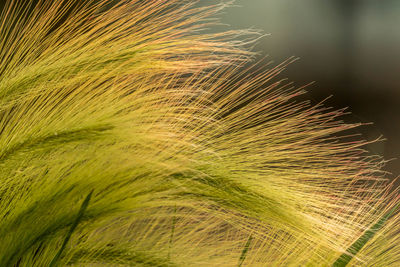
[
  {"x": 244, "y": 251},
  {"x": 346, "y": 257},
  {"x": 71, "y": 230}
]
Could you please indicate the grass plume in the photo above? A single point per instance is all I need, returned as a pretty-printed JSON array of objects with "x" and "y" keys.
[{"x": 187, "y": 153}]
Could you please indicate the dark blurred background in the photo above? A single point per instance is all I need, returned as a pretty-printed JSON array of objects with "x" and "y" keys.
[{"x": 350, "y": 48}]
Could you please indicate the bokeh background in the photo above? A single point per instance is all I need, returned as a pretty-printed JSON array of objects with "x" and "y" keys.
[{"x": 350, "y": 48}]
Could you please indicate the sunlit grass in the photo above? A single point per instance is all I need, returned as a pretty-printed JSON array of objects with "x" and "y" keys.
[{"x": 192, "y": 158}]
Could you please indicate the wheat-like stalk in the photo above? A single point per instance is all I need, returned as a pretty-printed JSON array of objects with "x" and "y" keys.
[{"x": 182, "y": 157}]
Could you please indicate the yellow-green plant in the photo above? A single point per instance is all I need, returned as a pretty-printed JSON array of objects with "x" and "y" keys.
[{"x": 129, "y": 136}]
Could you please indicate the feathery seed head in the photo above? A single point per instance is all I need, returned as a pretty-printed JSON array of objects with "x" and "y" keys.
[{"x": 192, "y": 161}]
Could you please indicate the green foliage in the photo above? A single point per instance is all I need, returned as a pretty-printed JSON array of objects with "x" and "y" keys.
[
  {"x": 244, "y": 251},
  {"x": 71, "y": 230},
  {"x": 193, "y": 161},
  {"x": 352, "y": 251}
]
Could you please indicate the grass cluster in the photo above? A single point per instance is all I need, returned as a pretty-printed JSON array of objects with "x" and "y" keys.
[{"x": 129, "y": 136}]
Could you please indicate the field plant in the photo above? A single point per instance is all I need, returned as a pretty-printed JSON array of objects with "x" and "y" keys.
[{"x": 130, "y": 136}]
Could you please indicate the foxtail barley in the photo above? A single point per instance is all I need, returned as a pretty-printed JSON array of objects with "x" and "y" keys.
[{"x": 129, "y": 136}]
